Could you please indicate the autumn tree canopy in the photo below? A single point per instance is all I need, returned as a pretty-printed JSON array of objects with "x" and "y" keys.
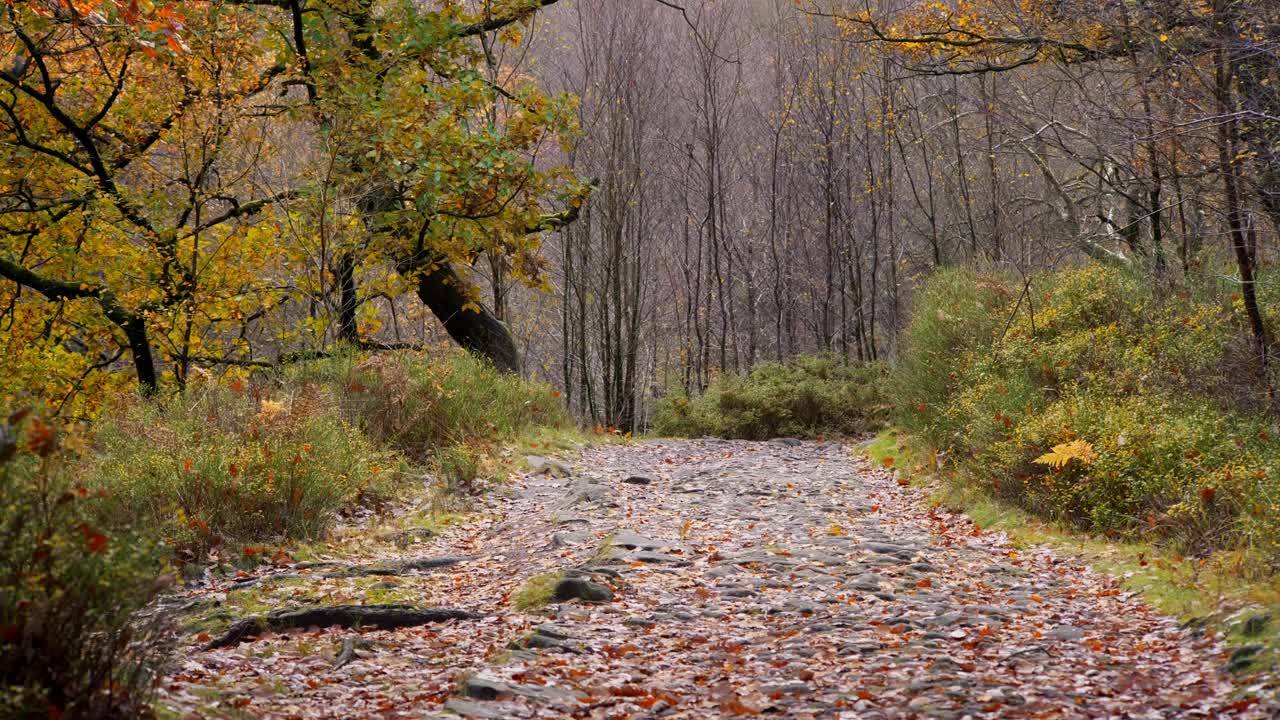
[{"x": 234, "y": 182}]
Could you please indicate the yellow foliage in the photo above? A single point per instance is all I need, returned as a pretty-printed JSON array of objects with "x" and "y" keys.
[{"x": 1061, "y": 455}]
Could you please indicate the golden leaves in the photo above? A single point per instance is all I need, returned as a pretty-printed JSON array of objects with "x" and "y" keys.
[{"x": 1079, "y": 450}]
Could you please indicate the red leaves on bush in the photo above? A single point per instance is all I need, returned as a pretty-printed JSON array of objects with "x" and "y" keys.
[
  {"x": 94, "y": 540},
  {"x": 249, "y": 552},
  {"x": 41, "y": 438}
]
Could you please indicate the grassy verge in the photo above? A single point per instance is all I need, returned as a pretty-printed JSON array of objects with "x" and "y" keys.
[{"x": 1214, "y": 591}]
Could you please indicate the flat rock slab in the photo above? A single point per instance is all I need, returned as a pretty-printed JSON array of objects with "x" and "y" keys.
[{"x": 632, "y": 540}]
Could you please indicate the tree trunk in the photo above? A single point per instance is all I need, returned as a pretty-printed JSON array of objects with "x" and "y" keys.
[
  {"x": 1227, "y": 143},
  {"x": 348, "y": 302},
  {"x": 470, "y": 324},
  {"x": 132, "y": 323}
]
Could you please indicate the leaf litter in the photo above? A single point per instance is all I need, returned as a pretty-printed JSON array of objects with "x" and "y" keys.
[{"x": 780, "y": 578}]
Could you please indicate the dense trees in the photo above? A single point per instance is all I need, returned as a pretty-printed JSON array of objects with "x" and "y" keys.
[
  {"x": 243, "y": 181},
  {"x": 811, "y": 161}
]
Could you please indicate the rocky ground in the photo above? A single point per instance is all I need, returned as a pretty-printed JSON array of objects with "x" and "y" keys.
[{"x": 699, "y": 579}]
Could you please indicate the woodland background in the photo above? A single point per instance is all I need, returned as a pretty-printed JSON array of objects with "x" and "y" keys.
[{"x": 770, "y": 178}]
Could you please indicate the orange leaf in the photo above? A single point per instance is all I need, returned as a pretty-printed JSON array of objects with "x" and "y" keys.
[
  {"x": 95, "y": 541},
  {"x": 40, "y": 438},
  {"x": 887, "y": 462},
  {"x": 629, "y": 691},
  {"x": 734, "y": 706},
  {"x": 203, "y": 637},
  {"x": 925, "y": 583},
  {"x": 249, "y": 552}
]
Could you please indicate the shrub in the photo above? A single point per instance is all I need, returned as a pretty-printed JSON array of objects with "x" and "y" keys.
[
  {"x": 1180, "y": 468},
  {"x": 804, "y": 397},
  {"x": 420, "y": 404},
  {"x": 955, "y": 313},
  {"x": 1141, "y": 380},
  {"x": 234, "y": 464},
  {"x": 68, "y": 589}
]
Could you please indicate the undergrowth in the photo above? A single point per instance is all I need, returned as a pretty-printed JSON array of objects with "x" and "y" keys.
[
  {"x": 234, "y": 465},
  {"x": 807, "y": 396},
  {"x": 239, "y": 468},
  {"x": 1095, "y": 400},
  {"x": 451, "y": 411},
  {"x": 69, "y": 587}
]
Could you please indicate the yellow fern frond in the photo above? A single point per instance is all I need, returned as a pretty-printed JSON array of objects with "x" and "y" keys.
[{"x": 1058, "y": 458}]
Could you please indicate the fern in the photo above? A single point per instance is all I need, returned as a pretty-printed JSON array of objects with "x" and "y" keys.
[{"x": 1078, "y": 450}]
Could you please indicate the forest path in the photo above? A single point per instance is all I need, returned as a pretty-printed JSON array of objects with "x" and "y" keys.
[{"x": 782, "y": 578}]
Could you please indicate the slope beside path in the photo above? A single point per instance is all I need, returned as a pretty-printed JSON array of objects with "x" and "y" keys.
[{"x": 698, "y": 579}]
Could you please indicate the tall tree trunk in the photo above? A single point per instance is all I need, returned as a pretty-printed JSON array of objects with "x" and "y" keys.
[
  {"x": 1227, "y": 141},
  {"x": 348, "y": 301}
]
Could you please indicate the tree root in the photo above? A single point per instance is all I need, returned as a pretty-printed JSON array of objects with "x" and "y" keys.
[
  {"x": 383, "y": 617},
  {"x": 401, "y": 567}
]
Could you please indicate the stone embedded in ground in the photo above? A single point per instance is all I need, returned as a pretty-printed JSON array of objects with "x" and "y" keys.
[
  {"x": 579, "y": 588},
  {"x": 637, "y": 479},
  {"x": 1255, "y": 624},
  {"x": 539, "y": 465},
  {"x": 582, "y": 492},
  {"x": 485, "y": 711},
  {"x": 569, "y": 539},
  {"x": 1243, "y": 657},
  {"x": 634, "y": 541},
  {"x": 481, "y": 687},
  {"x": 560, "y": 519},
  {"x": 548, "y": 637},
  {"x": 646, "y": 556},
  {"x": 1066, "y": 632}
]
